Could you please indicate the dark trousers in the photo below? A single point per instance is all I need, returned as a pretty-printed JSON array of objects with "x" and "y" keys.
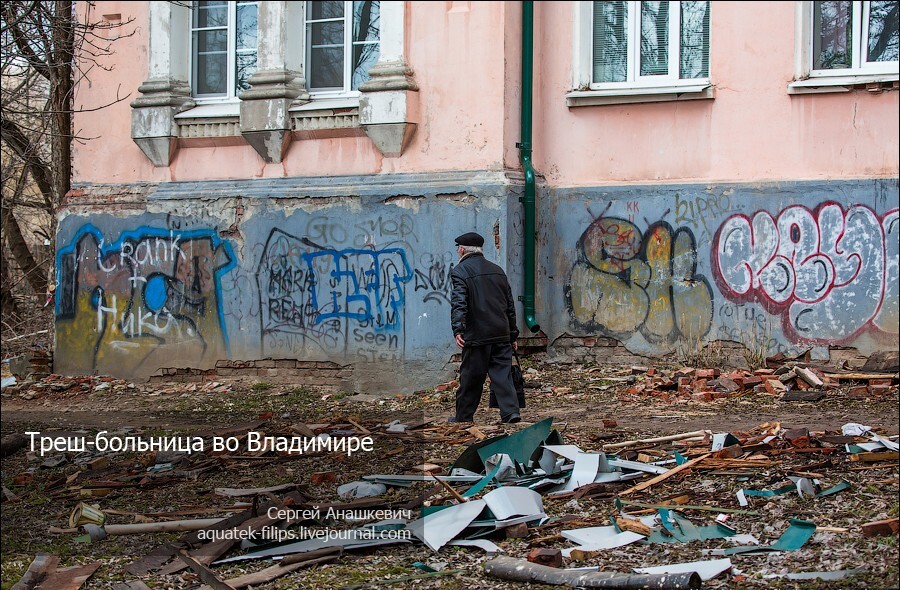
[{"x": 477, "y": 363}]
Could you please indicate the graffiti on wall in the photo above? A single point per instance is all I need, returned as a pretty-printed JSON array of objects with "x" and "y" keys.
[
  {"x": 346, "y": 300},
  {"x": 829, "y": 273},
  {"x": 153, "y": 292},
  {"x": 626, "y": 281},
  {"x": 432, "y": 279}
]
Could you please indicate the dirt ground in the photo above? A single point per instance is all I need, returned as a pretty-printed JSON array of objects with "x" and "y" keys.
[{"x": 579, "y": 399}]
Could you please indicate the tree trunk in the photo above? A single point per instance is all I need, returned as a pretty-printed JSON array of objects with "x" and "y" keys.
[
  {"x": 7, "y": 301},
  {"x": 34, "y": 274},
  {"x": 63, "y": 34}
]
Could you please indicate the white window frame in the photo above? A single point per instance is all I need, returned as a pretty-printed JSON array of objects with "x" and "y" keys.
[
  {"x": 344, "y": 92},
  {"x": 637, "y": 88},
  {"x": 809, "y": 80},
  {"x": 231, "y": 96}
]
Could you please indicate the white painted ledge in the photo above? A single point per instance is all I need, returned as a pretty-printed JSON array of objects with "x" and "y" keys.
[
  {"x": 840, "y": 83},
  {"x": 674, "y": 92},
  {"x": 212, "y": 110}
]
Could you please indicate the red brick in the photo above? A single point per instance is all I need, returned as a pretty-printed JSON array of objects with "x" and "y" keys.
[
  {"x": 774, "y": 386},
  {"x": 548, "y": 557},
  {"x": 516, "y": 531},
  {"x": 321, "y": 477},
  {"x": 707, "y": 373},
  {"x": 860, "y": 391},
  {"x": 751, "y": 381},
  {"x": 881, "y": 528}
]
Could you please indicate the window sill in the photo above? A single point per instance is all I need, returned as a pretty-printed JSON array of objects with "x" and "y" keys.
[
  {"x": 584, "y": 98},
  {"x": 843, "y": 83},
  {"x": 322, "y": 103},
  {"x": 211, "y": 110}
]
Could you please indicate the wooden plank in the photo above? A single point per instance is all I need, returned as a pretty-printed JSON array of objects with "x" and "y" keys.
[
  {"x": 449, "y": 488},
  {"x": 634, "y": 525},
  {"x": 362, "y": 429},
  {"x": 659, "y": 439},
  {"x": 875, "y": 457},
  {"x": 69, "y": 578},
  {"x": 861, "y": 376},
  {"x": 664, "y": 476},
  {"x": 208, "y": 576}
]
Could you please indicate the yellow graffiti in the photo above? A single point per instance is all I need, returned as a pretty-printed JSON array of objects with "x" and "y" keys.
[
  {"x": 129, "y": 316},
  {"x": 626, "y": 282}
]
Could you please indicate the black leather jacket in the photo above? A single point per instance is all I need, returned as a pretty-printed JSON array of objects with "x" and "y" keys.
[{"x": 481, "y": 304}]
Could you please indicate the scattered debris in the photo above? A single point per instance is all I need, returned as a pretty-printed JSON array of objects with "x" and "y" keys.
[
  {"x": 556, "y": 494},
  {"x": 43, "y": 574}
]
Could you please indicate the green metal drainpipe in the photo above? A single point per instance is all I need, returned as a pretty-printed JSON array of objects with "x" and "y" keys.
[{"x": 528, "y": 199}]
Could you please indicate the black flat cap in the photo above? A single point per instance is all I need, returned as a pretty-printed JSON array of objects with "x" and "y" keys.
[{"x": 470, "y": 239}]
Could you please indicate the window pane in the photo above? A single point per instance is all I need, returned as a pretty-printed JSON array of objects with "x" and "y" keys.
[
  {"x": 832, "y": 24},
  {"x": 211, "y": 41},
  {"x": 210, "y": 14},
  {"x": 366, "y": 21},
  {"x": 882, "y": 34},
  {"x": 364, "y": 57},
  {"x": 318, "y": 10},
  {"x": 212, "y": 73},
  {"x": 694, "y": 40},
  {"x": 326, "y": 67},
  {"x": 245, "y": 34},
  {"x": 326, "y": 34},
  {"x": 610, "y": 41},
  {"x": 654, "y": 38},
  {"x": 244, "y": 67}
]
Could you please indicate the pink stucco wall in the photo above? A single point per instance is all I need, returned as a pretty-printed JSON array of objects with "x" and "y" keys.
[
  {"x": 752, "y": 131},
  {"x": 466, "y": 61},
  {"x": 456, "y": 50}
]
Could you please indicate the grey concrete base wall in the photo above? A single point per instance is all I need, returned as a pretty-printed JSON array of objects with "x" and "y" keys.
[
  {"x": 354, "y": 271},
  {"x": 775, "y": 267},
  {"x": 350, "y": 270}
]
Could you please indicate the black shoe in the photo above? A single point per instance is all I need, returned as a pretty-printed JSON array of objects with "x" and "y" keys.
[
  {"x": 455, "y": 420},
  {"x": 511, "y": 419}
]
